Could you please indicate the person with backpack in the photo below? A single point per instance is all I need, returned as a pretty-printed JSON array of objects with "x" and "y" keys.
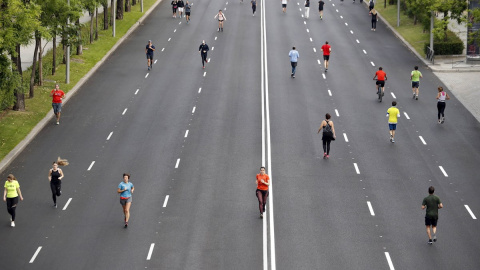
[
  {"x": 328, "y": 135},
  {"x": 371, "y": 5}
]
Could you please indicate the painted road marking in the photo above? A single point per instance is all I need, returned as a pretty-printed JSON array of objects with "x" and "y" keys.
[
  {"x": 311, "y": 40},
  {"x": 66, "y": 205},
  {"x": 389, "y": 260},
  {"x": 150, "y": 251},
  {"x": 315, "y": 50},
  {"x": 174, "y": 30},
  {"x": 346, "y": 24},
  {"x": 421, "y": 139},
  {"x": 199, "y": 90},
  {"x": 356, "y": 168},
  {"x": 323, "y": 74},
  {"x": 166, "y": 201},
  {"x": 186, "y": 134},
  {"x": 370, "y": 208},
  {"x": 365, "y": 52},
  {"x": 169, "y": 39},
  {"x": 470, "y": 211},
  {"x": 358, "y": 41},
  {"x": 209, "y": 60},
  {"x": 91, "y": 165},
  {"x": 155, "y": 61},
  {"x": 124, "y": 111},
  {"x": 304, "y": 22},
  {"x": 110, "y": 135},
  {"x": 372, "y": 63},
  {"x": 178, "y": 163},
  {"x": 193, "y": 110},
  {"x": 341, "y": 16},
  {"x": 393, "y": 95},
  {"x": 35, "y": 255},
  {"x": 336, "y": 10},
  {"x": 406, "y": 115},
  {"x": 345, "y": 136},
  {"x": 163, "y": 49},
  {"x": 336, "y": 112},
  {"x": 204, "y": 73},
  {"x": 329, "y": 92},
  {"x": 146, "y": 75},
  {"x": 351, "y": 32},
  {"x": 215, "y": 38},
  {"x": 443, "y": 171},
  {"x": 136, "y": 92},
  {"x": 318, "y": 61},
  {"x": 308, "y": 31},
  {"x": 213, "y": 48}
]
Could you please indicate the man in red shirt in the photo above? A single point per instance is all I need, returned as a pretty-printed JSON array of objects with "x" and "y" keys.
[
  {"x": 326, "y": 49},
  {"x": 381, "y": 78},
  {"x": 57, "y": 96},
  {"x": 263, "y": 181}
]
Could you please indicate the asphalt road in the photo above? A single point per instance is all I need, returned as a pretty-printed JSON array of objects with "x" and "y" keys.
[{"x": 195, "y": 135}]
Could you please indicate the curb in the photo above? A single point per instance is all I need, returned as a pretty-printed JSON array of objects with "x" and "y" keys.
[{"x": 22, "y": 144}]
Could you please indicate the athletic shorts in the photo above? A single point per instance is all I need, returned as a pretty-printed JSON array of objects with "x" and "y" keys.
[
  {"x": 392, "y": 126},
  {"x": 125, "y": 201},
  {"x": 150, "y": 56},
  {"x": 57, "y": 107},
  {"x": 381, "y": 83},
  {"x": 326, "y": 57},
  {"x": 415, "y": 84},
  {"x": 187, "y": 13},
  {"x": 320, "y": 8},
  {"x": 180, "y": 9},
  {"x": 431, "y": 221},
  {"x": 294, "y": 64},
  {"x": 284, "y": 5}
]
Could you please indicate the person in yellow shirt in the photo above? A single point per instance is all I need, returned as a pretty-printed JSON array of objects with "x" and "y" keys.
[
  {"x": 10, "y": 195},
  {"x": 393, "y": 113}
]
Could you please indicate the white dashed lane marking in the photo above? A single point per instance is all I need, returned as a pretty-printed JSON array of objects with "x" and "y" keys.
[
  {"x": 324, "y": 77},
  {"x": 365, "y": 52},
  {"x": 215, "y": 38},
  {"x": 91, "y": 165},
  {"x": 163, "y": 49},
  {"x": 166, "y": 201},
  {"x": 372, "y": 63},
  {"x": 66, "y": 205},
  {"x": 406, "y": 115},
  {"x": 199, "y": 90},
  {"x": 314, "y": 50},
  {"x": 336, "y": 112},
  {"x": 150, "y": 251},
  {"x": 155, "y": 61},
  {"x": 193, "y": 110},
  {"x": 421, "y": 139},
  {"x": 358, "y": 41},
  {"x": 389, "y": 260},
  {"x": 110, "y": 135},
  {"x": 443, "y": 171},
  {"x": 345, "y": 136},
  {"x": 124, "y": 111},
  {"x": 341, "y": 16},
  {"x": 370, "y": 208},
  {"x": 470, "y": 212},
  {"x": 146, "y": 75},
  {"x": 336, "y": 10},
  {"x": 319, "y": 62},
  {"x": 178, "y": 163},
  {"x": 213, "y": 48},
  {"x": 329, "y": 92},
  {"x": 186, "y": 133},
  {"x": 35, "y": 255},
  {"x": 351, "y": 32},
  {"x": 356, "y": 168},
  {"x": 174, "y": 30},
  {"x": 169, "y": 39},
  {"x": 393, "y": 95},
  {"x": 136, "y": 92},
  {"x": 204, "y": 74},
  {"x": 346, "y": 24},
  {"x": 308, "y": 31},
  {"x": 311, "y": 40}
]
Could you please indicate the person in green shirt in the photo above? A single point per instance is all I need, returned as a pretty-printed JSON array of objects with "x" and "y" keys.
[
  {"x": 432, "y": 203},
  {"x": 415, "y": 76},
  {"x": 10, "y": 195},
  {"x": 393, "y": 113}
]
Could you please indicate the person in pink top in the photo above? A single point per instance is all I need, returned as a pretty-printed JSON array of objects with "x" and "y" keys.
[
  {"x": 57, "y": 96},
  {"x": 326, "y": 49}
]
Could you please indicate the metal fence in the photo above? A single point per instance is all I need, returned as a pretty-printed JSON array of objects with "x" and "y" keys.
[{"x": 430, "y": 55}]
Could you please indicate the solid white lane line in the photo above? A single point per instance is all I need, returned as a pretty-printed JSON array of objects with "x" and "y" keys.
[
  {"x": 146, "y": 75},
  {"x": 155, "y": 61},
  {"x": 318, "y": 61},
  {"x": 356, "y": 168},
  {"x": 336, "y": 112},
  {"x": 358, "y": 41},
  {"x": 35, "y": 255},
  {"x": 204, "y": 73},
  {"x": 345, "y": 136},
  {"x": 393, "y": 95},
  {"x": 150, "y": 251},
  {"x": 91, "y": 165},
  {"x": 443, "y": 171},
  {"x": 372, "y": 63},
  {"x": 406, "y": 115},
  {"x": 389, "y": 260},
  {"x": 66, "y": 205},
  {"x": 136, "y": 92},
  {"x": 365, "y": 52},
  {"x": 178, "y": 163},
  {"x": 199, "y": 90},
  {"x": 329, "y": 92},
  {"x": 174, "y": 30},
  {"x": 315, "y": 50},
  {"x": 169, "y": 39},
  {"x": 166, "y": 201},
  {"x": 421, "y": 139},
  {"x": 163, "y": 49},
  {"x": 370, "y": 208},
  {"x": 351, "y": 32},
  {"x": 262, "y": 97},
  {"x": 124, "y": 111},
  {"x": 186, "y": 133},
  {"x": 470, "y": 212},
  {"x": 324, "y": 77},
  {"x": 193, "y": 110},
  {"x": 110, "y": 135}
]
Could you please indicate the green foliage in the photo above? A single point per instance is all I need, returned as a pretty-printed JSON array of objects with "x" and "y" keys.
[
  {"x": 474, "y": 18},
  {"x": 452, "y": 47},
  {"x": 9, "y": 80}
]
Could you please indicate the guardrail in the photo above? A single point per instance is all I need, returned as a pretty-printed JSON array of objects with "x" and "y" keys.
[{"x": 430, "y": 56}]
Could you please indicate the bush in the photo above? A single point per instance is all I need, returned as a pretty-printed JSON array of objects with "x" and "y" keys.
[{"x": 451, "y": 47}]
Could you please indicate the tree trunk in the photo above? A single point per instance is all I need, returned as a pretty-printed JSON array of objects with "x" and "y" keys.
[
  {"x": 105, "y": 16},
  {"x": 119, "y": 10},
  {"x": 96, "y": 23},
  {"x": 134, "y": 2},
  {"x": 54, "y": 50},
  {"x": 128, "y": 6},
  {"x": 40, "y": 64},
  {"x": 79, "y": 33},
  {"x": 91, "y": 27},
  {"x": 19, "y": 104},
  {"x": 64, "y": 47},
  {"x": 34, "y": 65},
  {"x": 414, "y": 19}
]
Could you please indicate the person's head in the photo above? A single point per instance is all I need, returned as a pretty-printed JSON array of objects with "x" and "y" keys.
[
  {"x": 203, "y": 41},
  {"x": 55, "y": 165},
  {"x": 293, "y": 48},
  {"x": 262, "y": 170},
  {"x": 10, "y": 177},
  {"x": 380, "y": 68},
  {"x": 126, "y": 177},
  {"x": 219, "y": 11},
  {"x": 394, "y": 103},
  {"x": 326, "y": 42},
  {"x": 57, "y": 86},
  {"x": 416, "y": 67},
  {"x": 431, "y": 190},
  {"x": 186, "y": 2},
  {"x": 149, "y": 42},
  {"x": 327, "y": 116},
  {"x": 440, "y": 89},
  {"x": 374, "y": 11}
]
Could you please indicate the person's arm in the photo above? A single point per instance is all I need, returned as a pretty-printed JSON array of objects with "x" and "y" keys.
[
  {"x": 448, "y": 97},
  {"x": 438, "y": 95},
  {"x": 411, "y": 75},
  {"x": 146, "y": 50},
  {"x": 423, "y": 207},
  {"x": 153, "y": 48},
  {"x": 63, "y": 95},
  {"x": 333, "y": 130},
  {"x": 19, "y": 193},
  {"x": 321, "y": 126},
  {"x": 120, "y": 191},
  {"x": 215, "y": 16},
  {"x": 50, "y": 175},
  {"x": 330, "y": 49},
  {"x": 5, "y": 194},
  {"x": 385, "y": 76},
  {"x": 133, "y": 188},
  {"x": 375, "y": 76},
  {"x": 440, "y": 206},
  {"x": 61, "y": 174}
]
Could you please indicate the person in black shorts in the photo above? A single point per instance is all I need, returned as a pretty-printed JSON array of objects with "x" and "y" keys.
[
  {"x": 203, "y": 50},
  {"x": 320, "y": 8},
  {"x": 254, "y": 6},
  {"x": 55, "y": 176},
  {"x": 432, "y": 203},
  {"x": 188, "y": 7},
  {"x": 180, "y": 6},
  {"x": 174, "y": 8},
  {"x": 149, "y": 49}
]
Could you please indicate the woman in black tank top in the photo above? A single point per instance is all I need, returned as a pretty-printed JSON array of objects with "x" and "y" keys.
[{"x": 55, "y": 176}]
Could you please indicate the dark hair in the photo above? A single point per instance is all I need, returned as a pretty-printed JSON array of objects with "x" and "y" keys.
[
  {"x": 394, "y": 103},
  {"x": 416, "y": 67},
  {"x": 326, "y": 42},
  {"x": 293, "y": 48},
  {"x": 380, "y": 68},
  {"x": 262, "y": 168},
  {"x": 126, "y": 174},
  {"x": 440, "y": 89},
  {"x": 328, "y": 116},
  {"x": 431, "y": 190},
  {"x": 11, "y": 177}
]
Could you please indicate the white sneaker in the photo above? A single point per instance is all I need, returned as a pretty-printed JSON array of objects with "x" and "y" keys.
[{"x": 12, "y": 224}]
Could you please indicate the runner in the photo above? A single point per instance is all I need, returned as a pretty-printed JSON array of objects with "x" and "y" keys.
[
  {"x": 263, "y": 182},
  {"x": 373, "y": 13},
  {"x": 284, "y": 6},
  {"x": 415, "y": 76},
  {"x": 149, "y": 49},
  {"x": 180, "y": 6},
  {"x": 326, "y": 49},
  {"x": 432, "y": 203},
  {"x": 203, "y": 50},
  {"x": 254, "y": 6},
  {"x": 221, "y": 18},
  {"x": 441, "y": 97},
  {"x": 174, "y": 8},
  {"x": 55, "y": 175},
  {"x": 320, "y": 8},
  {"x": 307, "y": 9},
  {"x": 381, "y": 77},
  {"x": 126, "y": 189},
  {"x": 57, "y": 96},
  {"x": 328, "y": 135},
  {"x": 10, "y": 195},
  {"x": 393, "y": 113},
  {"x": 293, "y": 54},
  {"x": 188, "y": 7}
]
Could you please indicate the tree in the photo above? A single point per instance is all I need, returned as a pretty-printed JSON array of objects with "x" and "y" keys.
[
  {"x": 128, "y": 6},
  {"x": 104, "y": 4},
  {"x": 474, "y": 19},
  {"x": 119, "y": 10},
  {"x": 452, "y": 10}
]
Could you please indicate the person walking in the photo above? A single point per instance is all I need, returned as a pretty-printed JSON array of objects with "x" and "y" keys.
[
  {"x": 263, "y": 182},
  {"x": 393, "y": 113},
  {"x": 441, "y": 97},
  {"x": 180, "y": 5},
  {"x": 149, "y": 49},
  {"x": 328, "y": 134},
  {"x": 10, "y": 195},
  {"x": 371, "y": 5},
  {"x": 221, "y": 17},
  {"x": 284, "y": 6},
  {"x": 55, "y": 175},
  {"x": 293, "y": 54},
  {"x": 307, "y": 9},
  {"x": 326, "y": 49},
  {"x": 203, "y": 50},
  {"x": 415, "y": 77},
  {"x": 431, "y": 203},
  {"x": 174, "y": 8},
  {"x": 254, "y": 6},
  {"x": 374, "y": 14},
  {"x": 188, "y": 8},
  {"x": 320, "y": 8},
  {"x": 57, "y": 96},
  {"x": 126, "y": 189}
]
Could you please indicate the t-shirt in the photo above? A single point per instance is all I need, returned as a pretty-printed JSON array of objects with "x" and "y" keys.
[
  {"x": 381, "y": 75},
  {"x": 254, "y": 2},
  {"x": 326, "y": 49},
  {"x": 307, "y": 3},
  {"x": 284, "y": 2},
  {"x": 261, "y": 185},
  {"x": 127, "y": 193},
  {"x": 320, "y": 4},
  {"x": 416, "y": 76},
  {"x": 293, "y": 55},
  {"x": 57, "y": 95},
  {"x": 432, "y": 202},
  {"x": 393, "y": 113},
  {"x": 149, "y": 51},
  {"x": 12, "y": 188}
]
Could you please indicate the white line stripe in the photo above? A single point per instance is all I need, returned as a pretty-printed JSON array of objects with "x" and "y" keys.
[
  {"x": 110, "y": 135},
  {"x": 406, "y": 115},
  {"x": 146, "y": 75},
  {"x": 390, "y": 264},
  {"x": 204, "y": 73},
  {"x": 470, "y": 211},
  {"x": 372, "y": 63},
  {"x": 341, "y": 16},
  {"x": 336, "y": 112},
  {"x": 181, "y": 22},
  {"x": 169, "y": 39},
  {"x": 36, "y": 253},
  {"x": 166, "y": 201},
  {"x": 262, "y": 97},
  {"x": 215, "y": 38},
  {"x": 351, "y": 32},
  {"x": 333, "y": 4},
  {"x": 163, "y": 49},
  {"x": 308, "y": 31},
  {"x": 199, "y": 90},
  {"x": 304, "y": 22},
  {"x": 336, "y": 10},
  {"x": 421, "y": 139},
  {"x": 213, "y": 48},
  {"x": 193, "y": 110},
  {"x": 155, "y": 61},
  {"x": 178, "y": 163},
  {"x": 66, "y": 205},
  {"x": 315, "y": 50},
  {"x": 124, "y": 111},
  {"x": 443, "y": 171},
  {"x": 209, "y": 60},
  {"x": 136, "y": 92},
  {"x": 329, "y": 92},
  {"x": 358, "y": 41},
  {"x": 365, "y": 52},
  {"x": 345, "y": 136},
  {"x": 356, "y": 168},
  {"x": 311, "y": 40},
  {"x": 91, "y": 165},
  {"x": 150, "y": 251},
  {"x": 186, "y": 133},
  {"x": 370, "y": 208},
  {"x": 346, "y": 24},
  {"x": 324, "y": 77},
  {"x": 174, "y": 30},
  {"x": 319, "y": 62},
  {"x": 393, "y": 95}
]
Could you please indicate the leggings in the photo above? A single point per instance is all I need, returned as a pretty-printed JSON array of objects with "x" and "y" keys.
[
  {"x": 374, "y": 24},
  {"x": 204, "y": 58},
  {"x": 254, "y": 8},
  {"x": 56, "y": 190},
  {"x": 441, "y": 109},
  {"x": 326, "y": 146},
  {"x": 262, "y": 199},
  {"x": 11, "y": 206}
]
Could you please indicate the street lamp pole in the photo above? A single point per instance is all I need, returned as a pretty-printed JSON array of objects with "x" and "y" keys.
[{"x": 67, "y": 76}]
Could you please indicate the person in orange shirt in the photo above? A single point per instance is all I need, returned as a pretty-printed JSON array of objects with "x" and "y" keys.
[
  {"x": 381, "y": 77},
  {"x": 263, "y": 182}
]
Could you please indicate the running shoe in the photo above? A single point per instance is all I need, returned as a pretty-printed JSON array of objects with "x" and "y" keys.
[
  {"x": 126, "y": 224},
  {"x": 430, "y": 241},
  {"x": 328, "y": 156},
  {"x": 434, "y": 238},
  {"x": 261, "y": 215},
  {"x": 58, "y": 123},
  {"x": 324, "y": 155},
  {"x": 55, "y": 205},
  {"x": 293, "y": 76},
  {"x": 443, "y": 119},
  {"x": 439, "y": 121},
  {"x": 393, "y": 140},
  {"x": 416, "y": 97},
  {"x": 12, "y": 224}
]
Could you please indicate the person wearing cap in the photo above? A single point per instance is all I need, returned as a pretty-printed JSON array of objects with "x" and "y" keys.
[
  {"x": 203, "y": 50},
  {"x": 149, "y": 49}
]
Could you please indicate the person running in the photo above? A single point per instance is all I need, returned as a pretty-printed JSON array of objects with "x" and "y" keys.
[
  {"x": 57, "y": 96},
  {"x": 374, "y": 14},
  {"x": 174, "y": 8},
  {"x": 326, "y": 49},
  {"x": 320, "y": 8},
  {"x": 381, "y": 77},
  {"x": 415, "y": 76},
  {"x": 221, "y": 18},
  {"x": 10, "y": 195},
  {"x": 307, "y": 9},
  {"x": 284, "y": 6},
  {"x": 149, "y": 49},
  {"x": 55, "y": 175},
  {"x": 203, "y": 50},
  {"x": 188, "y": 8},
  {"x": 431, "y": 203},
  {"x": 441, "y": 97},
  {"x": 393, "y": 113},
  {"x": 293, "y": 54},
  {"x": 180, "y": 5},
  {"x": 254, "y": 6},
  {"x": 263, "y": 182},
  {"x": 328, "y": 135},
  {"x": 126, "y": 189}
]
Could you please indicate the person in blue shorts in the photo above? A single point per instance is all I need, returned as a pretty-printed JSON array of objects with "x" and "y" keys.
[{"x": 393, "y": 113}]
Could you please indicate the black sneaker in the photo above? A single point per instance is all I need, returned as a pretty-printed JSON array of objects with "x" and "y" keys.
[
  {"x": 430, "y": 241},
  {"x": 55, "y": 205},
  {"x": 126, "y": 224},
  {"x": 413, "y": 96},
  {"x": 435, "y": 238}
]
